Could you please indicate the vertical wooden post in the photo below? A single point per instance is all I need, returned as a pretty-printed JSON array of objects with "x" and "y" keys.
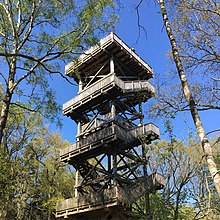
[
  {"x": 109, "y": 164},
  {"x": 114, "y": 168},
  {"x": 80, "y": 85},
  {"x": 76, "y": 183},
  {"x": 77, "y": 177},
  {"x": 112, "y": 65},
  {"x": 113, "y": 110},
  {"x": 141, "y": 112}
]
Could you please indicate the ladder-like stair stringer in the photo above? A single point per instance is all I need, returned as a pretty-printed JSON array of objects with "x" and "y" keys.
[{"x": 88, "y": 173}]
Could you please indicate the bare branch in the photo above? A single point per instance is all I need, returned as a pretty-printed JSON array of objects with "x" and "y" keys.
[
  {"x": 24, "y": 107},
  {"x": 216, "y": 79},
  {"x": 140, "y": 27}
]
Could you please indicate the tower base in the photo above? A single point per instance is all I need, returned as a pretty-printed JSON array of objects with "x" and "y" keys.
[{"x": 112, "y": 213}]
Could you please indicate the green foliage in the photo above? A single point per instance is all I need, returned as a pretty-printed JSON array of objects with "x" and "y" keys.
[
  {"x": 32, "y": 179},
  {"x": 36, "y": 39},
  {"x": 189, "y": 191},
  {"x": 187, "y": 212},
  {"x": 159, "y": 209}
]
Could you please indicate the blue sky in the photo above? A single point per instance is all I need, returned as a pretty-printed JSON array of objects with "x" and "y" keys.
[{"x": 153, "y": 50}]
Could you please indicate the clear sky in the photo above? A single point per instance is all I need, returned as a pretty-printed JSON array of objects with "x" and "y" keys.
[{"x": 153, "y": 49}]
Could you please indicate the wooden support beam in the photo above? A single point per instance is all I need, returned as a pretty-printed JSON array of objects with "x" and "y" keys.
[
  {"x": 95, "y": 75},
  {"x": 114, "y": 168}
]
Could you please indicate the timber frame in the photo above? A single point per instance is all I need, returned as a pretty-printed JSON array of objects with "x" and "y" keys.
[{"x": 109, "y": 154}]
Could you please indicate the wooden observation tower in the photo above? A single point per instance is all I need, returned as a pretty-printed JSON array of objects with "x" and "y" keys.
[{"x": 109, "y": 154}]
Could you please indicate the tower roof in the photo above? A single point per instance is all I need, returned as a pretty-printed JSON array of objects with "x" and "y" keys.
[{"x": 110, "y": 46}]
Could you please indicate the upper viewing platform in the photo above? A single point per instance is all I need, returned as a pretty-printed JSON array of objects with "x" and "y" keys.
[
  {"x": 95, "y": 94},
  {"x": 93, "y": 63}
]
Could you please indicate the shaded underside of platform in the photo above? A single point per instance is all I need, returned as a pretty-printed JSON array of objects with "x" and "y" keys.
[
  {"x": 108, "y": 213},
  {"x": 110, "y": 46}
]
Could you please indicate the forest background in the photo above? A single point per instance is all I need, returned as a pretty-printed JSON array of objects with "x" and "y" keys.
[{"x": 33, "y": 56}]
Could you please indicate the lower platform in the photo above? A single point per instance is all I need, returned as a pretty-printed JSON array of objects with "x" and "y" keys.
[
  {"x": 110, "y": 213},
  {"x": 114, "y": 197},
  {"x": 109, "y": 199}
]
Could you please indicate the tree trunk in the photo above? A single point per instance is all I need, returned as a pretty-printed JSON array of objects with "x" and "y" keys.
[
  {"x": 177, "y": 204},
  {"x": 193, "y": 109},
  {"x": 147, "y": 195},
  {"x": 6, "y": 101},
  {"x": 4, "y": 113}
]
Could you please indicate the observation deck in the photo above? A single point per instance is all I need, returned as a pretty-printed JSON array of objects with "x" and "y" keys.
[
  {"x": 113, "y": 197},
  {"x": 104, "y": 90},
  {"x": 128, "y": 64},
  {"x": 103, "y": 138}
]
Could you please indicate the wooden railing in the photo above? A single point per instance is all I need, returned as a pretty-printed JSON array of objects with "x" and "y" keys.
[
  {"x": 115, "y": 196},
  {"x": 102, "y": 199},
  {"x": 105, "y": 84},
  {"x": 93, "y": 89},
  {"x": 105, "y": 133}
]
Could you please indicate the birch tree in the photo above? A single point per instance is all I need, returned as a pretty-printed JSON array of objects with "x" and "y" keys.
[
  {"x": 34, "y": 35},
  {"x": 207, "y": 150},
  {"x": 196, "y": 29}
]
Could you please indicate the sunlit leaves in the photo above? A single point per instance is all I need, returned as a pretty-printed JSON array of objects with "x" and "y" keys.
[
  {"x": 32, "y": 177},
  {"x": 36, "y": 36}
]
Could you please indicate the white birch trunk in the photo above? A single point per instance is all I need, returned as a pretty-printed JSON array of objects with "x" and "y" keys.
[{"x": 193, "y": 109}]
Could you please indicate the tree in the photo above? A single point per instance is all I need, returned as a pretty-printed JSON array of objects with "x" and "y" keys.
[
  {"x": 32, "y": 177},
  {"x": 179, "y": 163},
  {"x": 191, "y": 102},
  {"x": 33, "y": 36},
  {"x": 189, "y": 192},
  {"x": 197, "y": 34}
]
